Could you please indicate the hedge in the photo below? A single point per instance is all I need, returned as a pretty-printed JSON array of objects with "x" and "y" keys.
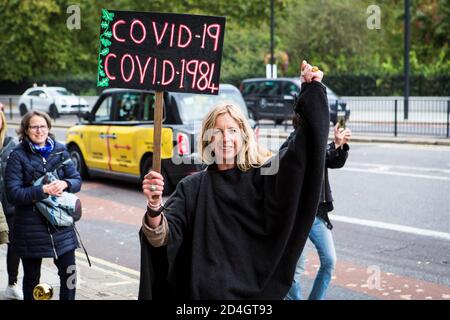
[{"x": 344, "y": 85}]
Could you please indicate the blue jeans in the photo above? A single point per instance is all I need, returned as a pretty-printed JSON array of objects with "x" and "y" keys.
[{"x": 322, "y": 239}]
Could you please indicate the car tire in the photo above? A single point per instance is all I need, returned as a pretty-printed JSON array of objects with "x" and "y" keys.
[
  {"x": 53, "y": 111},
  {"x": 23, "y": 109},
  {"x": 147, "y": 165},
  {"x": 78, "y": 161}
]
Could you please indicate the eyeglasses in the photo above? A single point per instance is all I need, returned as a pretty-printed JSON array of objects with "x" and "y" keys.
[{"x": 36, "y": 128}]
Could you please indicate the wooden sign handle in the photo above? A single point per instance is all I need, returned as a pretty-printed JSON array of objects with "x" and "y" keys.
[{"x": 157, "y": 131}]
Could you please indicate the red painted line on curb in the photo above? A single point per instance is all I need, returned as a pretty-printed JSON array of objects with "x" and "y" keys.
[{"x": 372, "y": 281}]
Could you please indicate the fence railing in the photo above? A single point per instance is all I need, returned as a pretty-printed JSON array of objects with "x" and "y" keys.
[{"x": 426, "y": 116}]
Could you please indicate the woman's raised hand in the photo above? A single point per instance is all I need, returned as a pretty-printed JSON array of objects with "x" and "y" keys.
[{"x": 309, "y": 73}]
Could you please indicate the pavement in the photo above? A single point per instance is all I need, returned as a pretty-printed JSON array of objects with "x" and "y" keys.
[{"x": 102, "y": 281}]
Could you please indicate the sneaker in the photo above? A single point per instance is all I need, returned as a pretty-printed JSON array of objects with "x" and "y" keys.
[{"x": 13, "y": 292}]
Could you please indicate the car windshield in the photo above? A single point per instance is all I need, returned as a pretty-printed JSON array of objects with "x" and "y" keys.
[
  {"x": 63, "y": 92},
  {"x": 194, "y": 107}
]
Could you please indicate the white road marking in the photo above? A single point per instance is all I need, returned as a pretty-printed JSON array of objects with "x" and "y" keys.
[
  {"x": 108, "y": 264},
  {"x": 120, "y": 283},
  {"x": 391, "y": 226},
  {"x": 384, "y": 165},
  {"x": 392, "y": 173}
]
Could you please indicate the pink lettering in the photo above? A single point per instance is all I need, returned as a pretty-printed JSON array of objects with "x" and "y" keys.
[
  {"x": 204, "y": 35},
  {"x": 183, "y": 65},
  {"x": 163, "y": 80},
  {"x": 106, "y": 66},
  {"x": 142, "y": 72},
  {"x": 114, "y": 30},
  {"x": 180, "y": 33},
  {"x": 214, "y": 36},
  {"x": 192, "y": 72},
  {"x": 132, "y": 67},
  {"x": 144, "y": 32},
  {"x": 154, "y": 70},
  {"x": 171, "y": 35},
  {"x": 159, "y": 39}
]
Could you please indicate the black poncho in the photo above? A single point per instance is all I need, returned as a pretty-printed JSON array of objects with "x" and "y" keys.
[{"x": 238, "y": 235}]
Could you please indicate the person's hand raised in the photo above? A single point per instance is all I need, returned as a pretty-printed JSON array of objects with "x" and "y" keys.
[
  {"x": 341, "y": 136},
  {"x": 309, "y": 73}
]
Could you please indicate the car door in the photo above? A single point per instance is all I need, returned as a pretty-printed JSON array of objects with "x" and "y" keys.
[
  {"x": 30, "y": 100},
  {"x": 123, "y": 134},
  {"x": 97, "y": 133},
  {"x": 42, "y": 101},
  {"x": 35, "y": 100}
]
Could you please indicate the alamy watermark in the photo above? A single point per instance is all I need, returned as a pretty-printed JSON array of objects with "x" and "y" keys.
[
  {"x": 74, "y": 20},
  {"x": 374, "y": 19},
  {"x": 374, "y": 280}
]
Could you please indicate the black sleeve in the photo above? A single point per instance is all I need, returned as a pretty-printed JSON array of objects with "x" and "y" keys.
[
  {"x": 336, "y": 158},
  {"x": 291, "y": 194}
]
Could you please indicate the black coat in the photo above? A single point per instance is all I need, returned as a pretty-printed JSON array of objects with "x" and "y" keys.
[
  {"x": 238, "y": 235},
  {"x": 33, "y": 236}
]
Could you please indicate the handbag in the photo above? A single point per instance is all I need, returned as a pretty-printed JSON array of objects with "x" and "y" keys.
[
  {"x": 63, "y": 210},
  {"x": 60, "y": 211}
]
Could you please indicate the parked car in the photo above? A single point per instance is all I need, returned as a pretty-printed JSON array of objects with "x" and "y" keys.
[
  {"x": 53, "y": 100},
  {"x": 116, "y": 137},
  {"x": 273, "y": 99}
]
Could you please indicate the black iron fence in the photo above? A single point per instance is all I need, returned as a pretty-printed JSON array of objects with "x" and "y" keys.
[
  {"x": 426, "y": 116},
  {"x": 423, "y": 117}
]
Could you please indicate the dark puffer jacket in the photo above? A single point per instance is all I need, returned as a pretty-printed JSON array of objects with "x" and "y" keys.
[{"x": 33, "y": 236}]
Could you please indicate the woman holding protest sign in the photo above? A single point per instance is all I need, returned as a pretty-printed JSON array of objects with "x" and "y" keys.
[
  {"x": 34, "y": 237},
  {"x": 236, "y": 230}
]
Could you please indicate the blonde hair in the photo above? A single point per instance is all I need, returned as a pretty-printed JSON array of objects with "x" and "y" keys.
[
  {"x": 4, "y": 128},
  {"x": 251, "y": 154}
]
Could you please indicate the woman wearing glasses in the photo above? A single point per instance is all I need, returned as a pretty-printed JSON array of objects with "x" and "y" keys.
[{"x": 33, "y": 237}]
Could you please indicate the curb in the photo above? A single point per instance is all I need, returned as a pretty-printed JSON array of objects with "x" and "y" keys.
[{"x": 398, "y": 140}]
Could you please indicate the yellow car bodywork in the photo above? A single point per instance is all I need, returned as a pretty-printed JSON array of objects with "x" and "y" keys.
[{"x": 118, "y": 148}]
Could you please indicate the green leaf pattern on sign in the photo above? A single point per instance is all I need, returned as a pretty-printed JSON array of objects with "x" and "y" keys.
[
  {"x": 103, "y": 83},
  {"x": 105, "y": 43},
  {"x": 106, "y": 15}
]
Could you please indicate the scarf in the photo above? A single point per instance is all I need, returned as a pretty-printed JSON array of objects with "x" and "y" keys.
[{"x": 44, "y": 151}]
